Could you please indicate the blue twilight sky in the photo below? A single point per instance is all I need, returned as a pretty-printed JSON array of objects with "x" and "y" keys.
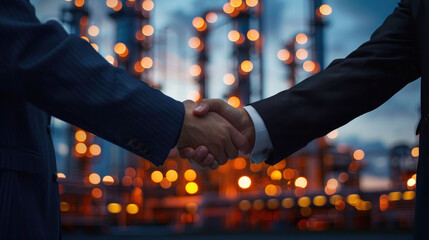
[{"x": 351, "y": 23}]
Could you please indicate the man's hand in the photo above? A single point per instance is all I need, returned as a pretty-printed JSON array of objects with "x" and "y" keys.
[
  {"x": 239, "y": 118},
  {"x": 220, "y": 139}
]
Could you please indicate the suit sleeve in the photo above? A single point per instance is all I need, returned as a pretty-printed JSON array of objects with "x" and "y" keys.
[
  {"x": 63, "y": 75},
  {"x": 348, "y": 87}
]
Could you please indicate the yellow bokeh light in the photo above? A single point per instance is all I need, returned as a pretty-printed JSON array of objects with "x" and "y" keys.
[
  {"x": 93, "y": 31},
  {"x": 64, "y": 206},
  {"x": 394, "y": 196},
  {"x": 85, "y": 38},
  {"x": 233, "y": 35},
  {"x": 94, "y": 178},
  {"x": 211, "y": 17},
  {"x": 195, "y": 70},
  {"x": 288, "y": 202},
  {"x": 409, "y": 195},
  {"x": 112, "y": 3},
  {"x": 229, "y": 79},
  {"x": 358, "y": 154},
  {"x": 301, "y": 54},
  {"x": 234, "y": 101},
  {"x": 235, "y": 3},
  {"x": 246, "y": 66},
  {"x": 309, "y": 66},
  {"x": 415, "y": 152},
  {"x": 352, "y": 199},
  {"x": 304, "y": 202},
  {"x": 227, "y": 8},
  {"x": 283, "y": 55},
  {"x": 61, "y": 175},
  {"x": 95, "y": 46},
  {"x": 79, "y": 3},
  {"x": 110, "y": 59},
  {"x": 244, "y": 205},
  {"x": 198, "y": 22},
  {"x": 411, "y": 182},
  {"x": 319, "y": 201},
  {"x": 171, "y": 175},
  {"x": 114, "y": 207},
  {"x": 147, "y": 5},
  {"x": 146, "y": 62},
  {"x": 258, "y": 204},
  {"x": 190, "y": 175},
  {"x": 332, "y": 183},
  {"x": 325, "y": 9},
  {"x": 253, "y": 35},
  {"x": 276, "y": 175},
  {"x": 301, "y": 38},
  {"x": 132, "y": 208},
  {"x": 95, "y": 149},
  {"x": 301, "y": 182},
  {"x": 81, "y": 148},
  {"x": 120, "y": 48},
  {"x": 108, "y": 180},
  {"x": 252, "y": 3},
  {"x": 147, "y": 30},
  {"x": 244, "y": 182},
  {"x": 271, "y": 190},
  {"x": 80, "y": 136},
  {"x": 156, "y": 176},
  {"x": 194, "y": 42},
  {"x": 191, "y": 188}
]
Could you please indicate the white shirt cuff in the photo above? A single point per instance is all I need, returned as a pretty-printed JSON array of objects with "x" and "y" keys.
[{"x": 263, "y": 146}]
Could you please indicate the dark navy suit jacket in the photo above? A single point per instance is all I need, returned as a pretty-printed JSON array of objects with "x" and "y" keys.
[
  {"x": 396, "y": 54},
  {"x": 44, "y": 71}
]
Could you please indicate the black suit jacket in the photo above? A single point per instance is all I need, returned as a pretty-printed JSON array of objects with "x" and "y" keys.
[
  {"x": 396, "y": 55},
  {"x": 44, "y": 71}
]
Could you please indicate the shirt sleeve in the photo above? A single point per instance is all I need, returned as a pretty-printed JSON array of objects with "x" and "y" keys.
[{"x": 263, "y": 145}]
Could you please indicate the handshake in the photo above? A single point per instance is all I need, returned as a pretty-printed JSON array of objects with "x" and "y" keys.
[{"x": 213, "y": 132}]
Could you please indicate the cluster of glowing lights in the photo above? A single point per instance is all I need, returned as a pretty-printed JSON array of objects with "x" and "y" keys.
[
  {"x": 244, "y": 182},
  {"x": 234, "y": 101},
  {"x": 229, "y": 79}
]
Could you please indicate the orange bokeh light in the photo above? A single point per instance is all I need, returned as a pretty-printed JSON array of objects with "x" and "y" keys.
[{"x": 234, "y": 101}]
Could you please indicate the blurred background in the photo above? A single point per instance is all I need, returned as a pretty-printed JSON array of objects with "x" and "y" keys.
[{"x": 359, "y": 178}]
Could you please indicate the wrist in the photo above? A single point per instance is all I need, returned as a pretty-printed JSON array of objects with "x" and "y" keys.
[{"x": 248, "y": 128}]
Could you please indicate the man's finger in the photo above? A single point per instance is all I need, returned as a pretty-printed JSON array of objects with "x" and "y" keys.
[
  {"x": 209, "y": 105},
  {"x": 240, "y": 141},
  {"x": 186, "y": 152}
]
